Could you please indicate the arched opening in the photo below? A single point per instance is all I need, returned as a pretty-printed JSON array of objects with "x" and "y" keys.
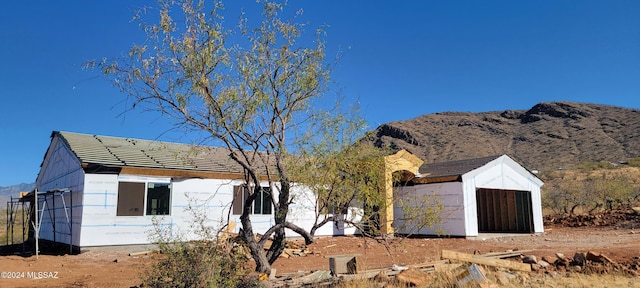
[{"x": 403, "y": 165}]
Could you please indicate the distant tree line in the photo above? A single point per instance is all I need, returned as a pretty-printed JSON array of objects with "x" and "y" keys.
[{"x": 592, "y": 187}]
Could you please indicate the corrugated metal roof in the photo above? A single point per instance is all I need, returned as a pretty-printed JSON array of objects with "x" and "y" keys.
[
  {"x": 454, "y": 168},
  {"x": 116, "y": 151}
]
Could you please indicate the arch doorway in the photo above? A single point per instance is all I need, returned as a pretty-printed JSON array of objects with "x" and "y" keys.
[{"x": 405, "y": 163}]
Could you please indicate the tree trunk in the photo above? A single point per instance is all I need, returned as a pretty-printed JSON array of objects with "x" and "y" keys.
[
  {"x": 315, "y": 227},
  {"x": 262, "y": 264},
  {"x": 264, "y": 261},
  {"x": 280, "y": 217},
  {"x": 255, "y": 248}
]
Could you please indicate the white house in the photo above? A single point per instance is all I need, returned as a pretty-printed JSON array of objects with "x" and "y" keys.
[
  {"x": 483, "y": 195},
  {"x": 99, "y": 190}
]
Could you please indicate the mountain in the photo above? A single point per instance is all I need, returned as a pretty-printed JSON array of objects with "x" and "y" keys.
[
  {"x": 549, "y": 135},
  {"x": 8, "y": 191}
]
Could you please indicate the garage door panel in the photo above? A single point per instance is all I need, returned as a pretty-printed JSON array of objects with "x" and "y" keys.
[{"x": 504, "y": 211}]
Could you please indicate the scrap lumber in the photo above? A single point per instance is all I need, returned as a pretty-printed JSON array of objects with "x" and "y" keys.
[
  {"x": 508, "y": 254},
  {"x": 447, "y": 254},
  {"x": 447, "y": 267},
  {"x": 427, "y": 267},
  {"x": 414, "y": 277},
  {"x": 142, "y": 253}
]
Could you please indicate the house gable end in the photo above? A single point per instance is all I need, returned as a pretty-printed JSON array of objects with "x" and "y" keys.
[
  {"x": 502, "y": 172},
  {"x": 58, "y": 164}
]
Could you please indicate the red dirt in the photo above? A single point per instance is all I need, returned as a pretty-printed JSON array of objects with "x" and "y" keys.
[{"x": 114, "y": 268}]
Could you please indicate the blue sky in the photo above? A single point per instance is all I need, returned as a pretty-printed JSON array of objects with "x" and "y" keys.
[{"x": 402, "y": 60}]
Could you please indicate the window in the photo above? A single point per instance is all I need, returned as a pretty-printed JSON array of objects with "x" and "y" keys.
[
  {"x": 261, "y": 205},
  {"x": 130, "y": 199},
  {"x": 158, "y": 195},
  {"x": 132, "y": 195}
]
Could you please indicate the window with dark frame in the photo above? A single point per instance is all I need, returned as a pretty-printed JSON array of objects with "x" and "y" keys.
[
  {"x": 158, "y": 198},
  {"x": 131, "y": 199},
  {"x": 262, "y": 205}
]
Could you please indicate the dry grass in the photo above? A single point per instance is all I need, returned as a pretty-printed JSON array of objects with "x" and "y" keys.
[
  {"x": 584, "y": 280},
  {"x": 17, "y": 237},
  {"x": 559, "y": 280}
]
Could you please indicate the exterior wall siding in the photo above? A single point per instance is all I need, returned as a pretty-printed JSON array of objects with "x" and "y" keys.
[
  {"x": 302, "y": 212},
  {"x": 194, "y": 202},
  {"x": 205, "y": 198},
  {"x": 448, "y": 194},
  {"x": 60, "y": 170}
]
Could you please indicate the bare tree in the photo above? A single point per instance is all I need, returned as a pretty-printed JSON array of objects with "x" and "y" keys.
[{"x": 257, "y": 90}]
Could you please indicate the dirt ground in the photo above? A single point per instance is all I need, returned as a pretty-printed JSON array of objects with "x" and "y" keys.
[{"x": 114, "y": 268}]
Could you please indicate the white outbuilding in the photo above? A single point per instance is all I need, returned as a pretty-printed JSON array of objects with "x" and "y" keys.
[{"x": 482, "y": 195}]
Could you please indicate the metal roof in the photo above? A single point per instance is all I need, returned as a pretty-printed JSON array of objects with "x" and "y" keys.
[{"x": 116, "y": 151}]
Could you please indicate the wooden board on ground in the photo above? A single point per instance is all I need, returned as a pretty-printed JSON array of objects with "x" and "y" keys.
[
  {"x": 505, "y": 254},
  {"x": 447, "y": 254}
]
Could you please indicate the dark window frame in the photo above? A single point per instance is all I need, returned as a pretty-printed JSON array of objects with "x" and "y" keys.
[
  {"x": 143, "y": 198},
  {"x": 262, "y": 205}
]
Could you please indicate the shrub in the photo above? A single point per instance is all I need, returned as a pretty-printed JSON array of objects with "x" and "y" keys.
[
  {"x": 200, "y": 264},
  {"x": 209, "y": 262}
]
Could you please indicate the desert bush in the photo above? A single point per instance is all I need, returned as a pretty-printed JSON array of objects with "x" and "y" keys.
[
  {"x": 563, "y": 193},
  {"x": 211, "y": 261},
  {"x": 609, "y": 191},
  {"x": 634, "y": 162},
  {"x": 571, "y": 192},
  {"x": 200, "y": 264},
  {"x": 195, "y": 265},
  {"x": 590, "y": 166}
]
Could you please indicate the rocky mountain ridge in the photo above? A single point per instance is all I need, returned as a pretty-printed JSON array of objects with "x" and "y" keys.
[
  {"x": 7, "y": 192},
  {"x": 550, "y": 135}
]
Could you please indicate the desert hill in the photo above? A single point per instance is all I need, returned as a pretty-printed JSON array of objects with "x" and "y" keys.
[
  {"x": 7, "y": 192},
  {"x": 549, "y": 135}
]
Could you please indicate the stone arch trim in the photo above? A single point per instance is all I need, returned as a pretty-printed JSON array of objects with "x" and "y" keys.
[{"x": 400, "y": 161}]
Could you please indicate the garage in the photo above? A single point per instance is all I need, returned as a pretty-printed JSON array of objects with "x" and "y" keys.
[
  {"x": 504, "y": 211},
  {"x": 493, "y": 194}
]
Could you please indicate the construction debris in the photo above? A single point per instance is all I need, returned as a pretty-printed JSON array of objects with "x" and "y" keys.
[
  {"x": 343, "y": 264},
  {"x": 478, "y": 259},
  {"x": 142, "y": 252},
  {"x": 463, "y": 270},
  {"x": 473, "y": 275},
  {"x": 414, "y": 277},
  {"x": 507, "y": 254}
]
